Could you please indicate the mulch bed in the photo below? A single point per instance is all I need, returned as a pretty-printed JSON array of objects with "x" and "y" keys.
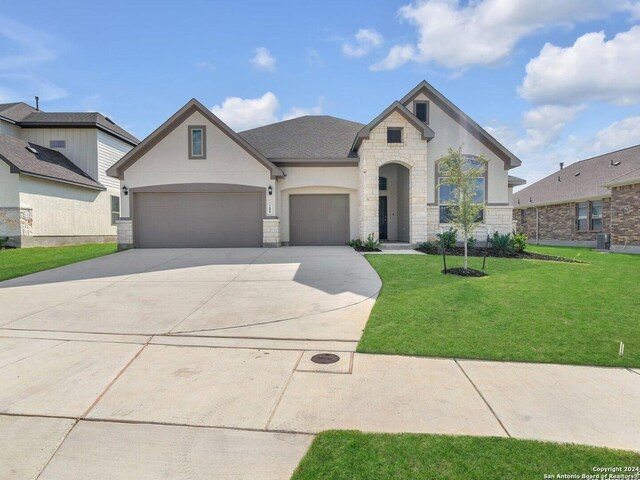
[
  {"x": 469, "y": 272},
  {"x": 479, "y": 252},
  {"x": 363, "y": 249}
]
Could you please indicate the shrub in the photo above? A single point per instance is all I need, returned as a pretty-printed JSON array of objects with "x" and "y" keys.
[
  {"x": 429, "y": 247},
  {"x": 471, "y": 242},
  {"x": 448, "y": 239},
  {"x": 502, "y": 243},
  {"x": 519, "y": 242},
  {"x": 3, "y": 242},
  {"x": 355, "y": 243},
  {"x": 371, "y": 244}
]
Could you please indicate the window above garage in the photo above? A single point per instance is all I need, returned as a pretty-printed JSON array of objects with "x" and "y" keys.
[{"x": 197, "y": 142}]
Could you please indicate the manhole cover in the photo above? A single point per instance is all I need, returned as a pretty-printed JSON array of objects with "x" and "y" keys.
[{"x": 325, "y": 358}]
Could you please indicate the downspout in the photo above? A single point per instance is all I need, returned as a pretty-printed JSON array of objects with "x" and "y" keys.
[{"x": 537, "y": 227}]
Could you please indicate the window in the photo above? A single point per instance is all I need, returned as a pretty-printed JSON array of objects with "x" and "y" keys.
[
  {"x": 448, "y": 196},
  {"x": 596, "y": 215},
  {"x": 57, "y": 144},
  {"x": 382, "y": 183},
  {"x": 582, "y": 216},
  {"x": 394, "y": 135},
  {"x": 422, "y": 111},
  {"x": 115, "y": 209},
  {"x": 197, "y": 142}
]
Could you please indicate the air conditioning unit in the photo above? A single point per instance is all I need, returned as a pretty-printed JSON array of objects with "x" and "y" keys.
[{"x": 602, "y": 241}]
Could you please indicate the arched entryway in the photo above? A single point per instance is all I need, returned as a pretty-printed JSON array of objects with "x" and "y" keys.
[{"x": 393, "y": 203}]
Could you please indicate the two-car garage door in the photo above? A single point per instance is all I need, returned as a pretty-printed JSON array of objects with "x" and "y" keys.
[{"x": 197, "y": 219}]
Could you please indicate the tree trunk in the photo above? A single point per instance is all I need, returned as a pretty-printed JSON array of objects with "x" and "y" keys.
[{"x": 465, "y": 252}]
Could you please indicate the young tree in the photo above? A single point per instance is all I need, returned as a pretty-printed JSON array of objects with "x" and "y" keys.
[{"x": 461, "y": 173}]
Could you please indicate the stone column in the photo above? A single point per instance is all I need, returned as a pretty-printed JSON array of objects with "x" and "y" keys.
[
  {"x": 271, "y": 232},
  {"x": 125, "y": 233}
]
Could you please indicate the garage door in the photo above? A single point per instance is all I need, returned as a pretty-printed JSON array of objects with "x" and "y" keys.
[
  {"x": 318, "y": 219},
  {"x": 197, "y": 220}
]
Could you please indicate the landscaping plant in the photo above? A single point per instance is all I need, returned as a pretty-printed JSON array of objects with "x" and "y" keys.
[
  {"x": 448, "y": 239},
  {"x": 502, "y": 244},
  {"x": 461, "y": 172},
  {"x": 371, "y": 244},
  {"x": 519, "y": 242}
]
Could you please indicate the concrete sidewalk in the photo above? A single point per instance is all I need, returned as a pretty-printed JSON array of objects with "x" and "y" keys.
[{"x": 139, "y": 410}]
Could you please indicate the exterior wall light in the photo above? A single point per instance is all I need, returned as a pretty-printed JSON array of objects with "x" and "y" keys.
[
  {"x": 270, "y": 190},
  {"x": 125, "y": 190}
]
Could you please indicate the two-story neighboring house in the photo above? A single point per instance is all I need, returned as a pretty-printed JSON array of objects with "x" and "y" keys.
[
  {"x": 314, "y": 180},
  {"x": 53, "y": 184}
]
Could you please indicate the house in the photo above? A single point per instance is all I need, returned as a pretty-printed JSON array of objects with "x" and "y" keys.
[
  {"x": 574, "y": 205},
  {"x": 54, "y": 189},
  {"x": 314, "y": 180}
]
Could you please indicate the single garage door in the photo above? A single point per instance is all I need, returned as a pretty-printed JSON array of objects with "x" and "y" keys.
[
  {"x": 197, "y": 220},
  {"x": 319, "y": 219}
]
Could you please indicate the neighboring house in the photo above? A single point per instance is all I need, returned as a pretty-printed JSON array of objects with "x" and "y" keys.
[
  {"x": 314, "y": 180},
  {"x": 53, "y": 184},
  {"x": 572, "y": 206}
]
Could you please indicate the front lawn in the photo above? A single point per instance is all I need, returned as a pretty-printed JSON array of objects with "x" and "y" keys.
[
  {"x": 23, "y": 261},
  {"x": 353, "y": 455},
  {"x": 525, "y": 310}
]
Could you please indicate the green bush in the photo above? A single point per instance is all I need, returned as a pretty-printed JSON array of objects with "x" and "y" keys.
[
  {"x": 371, "y": 244},
  {"x": 471, "y": 242},
  {"x": 502, "y": 243},
  {"x": 429, "y": 247},
  {"x": 519, "y": 242},
  {"x": 355, "y": 243},
  {"x": 448, "y": 239},
  {"x": 4, "y": 241}
]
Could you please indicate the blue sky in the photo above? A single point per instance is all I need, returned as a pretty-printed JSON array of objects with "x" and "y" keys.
[{"x": 554, "y": 80}]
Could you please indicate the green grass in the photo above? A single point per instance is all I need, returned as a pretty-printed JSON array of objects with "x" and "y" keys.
[
  {"x": 525, "y": 310},
  {"x": 351, "y": 455},
  {"x": 23, "y": 261}
]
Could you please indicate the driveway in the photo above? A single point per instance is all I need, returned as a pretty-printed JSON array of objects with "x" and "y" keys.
[
  {"x": 289, "y": 294},
  {"x": 197, "y": 364}
]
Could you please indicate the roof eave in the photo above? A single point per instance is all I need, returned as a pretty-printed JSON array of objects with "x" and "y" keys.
[
  {"x": 98, "y": 187},
  {"x": 76, "y": 125}
]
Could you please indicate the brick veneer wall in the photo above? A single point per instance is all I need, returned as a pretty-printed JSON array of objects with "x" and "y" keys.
[
  {"x": 557, "y": 224},
  {"x": 625, "y": 218}
]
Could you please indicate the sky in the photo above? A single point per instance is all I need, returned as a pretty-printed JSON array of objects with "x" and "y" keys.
[{"x": 553, "y": 80}]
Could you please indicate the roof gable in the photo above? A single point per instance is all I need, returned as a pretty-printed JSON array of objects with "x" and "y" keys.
[
  {"x": 463, "y": 120},
  {"x": 365, "y": 132},
  {"x": 117, "y": 170}
]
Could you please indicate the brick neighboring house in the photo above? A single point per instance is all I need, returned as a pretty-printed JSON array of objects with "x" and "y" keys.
[{"x": 590, "y": 197}]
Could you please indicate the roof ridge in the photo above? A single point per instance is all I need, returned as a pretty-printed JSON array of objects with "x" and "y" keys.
[{"x": 298, "y": 118}]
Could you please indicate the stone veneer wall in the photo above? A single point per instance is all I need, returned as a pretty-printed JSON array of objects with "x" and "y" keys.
[
  {"x": 557, "y": 224},
  {"x": 412, "y": 153},
  {"x": 125, "y": 233},
  {"x": 499, "y": 218},
  {"x": 625, "y": 218},
  {"x": 271, "y": 232},
  {"x": 16, "y": 223}
]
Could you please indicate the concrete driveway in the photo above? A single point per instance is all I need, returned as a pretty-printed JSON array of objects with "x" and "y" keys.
[
  {"x": 196, "y": 364},
  {"x": 300, "y": 294}
]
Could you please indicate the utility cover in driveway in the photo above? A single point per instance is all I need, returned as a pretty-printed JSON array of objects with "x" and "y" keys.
[
  {"x": 319, "y": 219},
  {"x": 197, "y": 220}
]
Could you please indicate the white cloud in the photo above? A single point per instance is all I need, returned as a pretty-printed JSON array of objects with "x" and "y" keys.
[
  {"x": 245, "y": 113},
  {"x": 544, "y": 126},
  {"x": 591, "y": 69},
  {"x": 313, "y": 58},
  {"x": 397, "y": 56},
  {"x": 485, "y": 32},
  {"x": 263, "y": 60},
  {"x": 620, "y": 134},
  {"x": 366, "y": 40},
  {"x": 30, "y": 49}
]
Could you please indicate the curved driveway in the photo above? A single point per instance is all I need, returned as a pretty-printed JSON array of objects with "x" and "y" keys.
[{"x": 300, "y": 293}]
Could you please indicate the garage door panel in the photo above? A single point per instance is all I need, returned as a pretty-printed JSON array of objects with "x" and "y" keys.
[
  {"x": 319, "y": 219},
  {"x": 197, "y": 220}
]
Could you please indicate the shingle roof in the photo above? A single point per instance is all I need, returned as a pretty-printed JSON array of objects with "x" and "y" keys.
[
  {"x": 46, "y": 163},
  {"x": 15, "y": 111},
  {"x": 80, "y": 119},
  {"x": 515, "y": 181},
  {"x": 311, "y": 136},
  {"x": 581, "y": 180}
]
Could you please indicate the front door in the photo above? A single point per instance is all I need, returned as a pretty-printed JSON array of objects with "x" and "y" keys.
[{"x": 382, "y": 213}]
